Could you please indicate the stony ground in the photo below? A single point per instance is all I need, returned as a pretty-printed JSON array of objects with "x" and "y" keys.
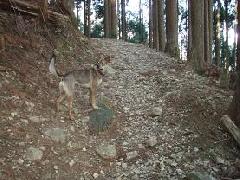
[{"x": 166, "y": 125}]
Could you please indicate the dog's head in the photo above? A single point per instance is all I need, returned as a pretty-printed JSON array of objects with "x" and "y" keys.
[{"x": 99, "y": 66}]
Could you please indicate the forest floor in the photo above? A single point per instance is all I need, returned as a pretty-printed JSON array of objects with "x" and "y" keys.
[{"x": 166, "y": 121}]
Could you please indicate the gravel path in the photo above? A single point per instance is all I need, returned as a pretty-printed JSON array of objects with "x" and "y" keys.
[
  {"x": 166, "y": 125},
  {"x": 163, "y": 102}
]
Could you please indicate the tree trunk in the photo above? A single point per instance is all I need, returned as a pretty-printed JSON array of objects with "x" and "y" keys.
[
  {"x": 226, "y": 59},
  {"x": 106, "y": 19},
  {"x": 150, "y": 24},
  {"x": 234, "y": 109},
  {"x": 87, "y": 14},
  {"x": 224, "y": 80},
  {"x": 155, "y": 25},
  {"x": 210, "y": 26},
  {"x": 172, "y": 28},
  {"x": 89, "y": 19},
  {"x": 140, "y": 22},
  {"x": 124, "y": 23},
  {"x": 161, "y": 30},
  {"x": 118, "y": 20},
  {"x": 197, "y": 15},
  {"x": 77, "y": 7},
  {"x": 67, "y": 7},
  {"x": 113, "y": 19},
  {"x": 217, "y": 35},
  {"x": 226, "y": 4},
  {"x": 232, "y": 128},
  {"x": 189, "y": 48},
  {"x": 206, "y": 33},
  {"x": 235, "y": 39}
]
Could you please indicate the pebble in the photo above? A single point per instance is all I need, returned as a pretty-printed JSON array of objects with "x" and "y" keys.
[
  {"x": 33, "y": 154},
  {"x": 20, "y": 161},
  {"x": 95, "y": 175},
  {"x": 124, "y": 165},
  {"x": 71, "y": 163},
  {"x": 195, "y": 149},
  {"x": 152, "y": 141},
  {"x": 132, "y": 154},
  {"x": 107, "y": 151}
]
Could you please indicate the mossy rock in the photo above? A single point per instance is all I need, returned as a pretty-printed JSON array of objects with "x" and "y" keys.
[
  {"x": 198, "y": 176},
  {"x": 101, "y": 119}
]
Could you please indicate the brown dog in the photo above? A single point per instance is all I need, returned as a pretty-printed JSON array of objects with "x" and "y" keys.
[{"x": 89, "y": 78}]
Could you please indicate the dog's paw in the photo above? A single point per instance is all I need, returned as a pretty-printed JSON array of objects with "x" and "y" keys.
[
  {"x": 71, "y": 117},
  {"x": 95, "y": 107}
]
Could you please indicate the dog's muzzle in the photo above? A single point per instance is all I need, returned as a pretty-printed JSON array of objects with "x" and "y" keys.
[{"x": 100, "y": 71}]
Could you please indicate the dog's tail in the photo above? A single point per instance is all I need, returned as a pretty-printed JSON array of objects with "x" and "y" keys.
[{"x": 52, "y": 68}]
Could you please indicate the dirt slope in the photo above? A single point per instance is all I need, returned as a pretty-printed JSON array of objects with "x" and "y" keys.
[{"x": 166, "y": 117}]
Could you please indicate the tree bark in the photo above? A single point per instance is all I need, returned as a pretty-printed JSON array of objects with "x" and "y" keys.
[
  {"x": 118, "y": 20},
  {"x": 113, "y": 19},
  {"x": 150, "y": 24},
  {"x": 235, "y": 37},
  {"x": 77, "y": 7},
  {"x": 234, "y": 108},
  {"x": 140, "y": 22},
  {"x": 232, "y": 128},
  {"x": 197, "y": 15},
  {"x": 226, "y": 4},
  {"x": 210, "y": 26},
  {"x": 161, "y": 31},
  {"x": 124, "y": 23},
  {"x": 106, "y": 19},
  {"x": 226, "y": 57},
  {"x": 110, "y": 19},
  {"x": 189, "y": 48},
  {"x": 155, "y": 25},
  {"x": 206, "y": 33},
  {"x": 87, "y": 17},
  {"x": 172, "y": 28},
  {"x": 217, "y": 35}
]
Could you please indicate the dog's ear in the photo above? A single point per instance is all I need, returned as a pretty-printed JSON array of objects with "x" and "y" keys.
[
  {"x": 107, "y": 59},
  {"x": 94, "y": 66},
  {"x": 53, "y": 56}
]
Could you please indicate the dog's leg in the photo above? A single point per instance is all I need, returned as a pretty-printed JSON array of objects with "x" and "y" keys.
[
  {"x": 59, "y": 100},
  {"x": 93, "y": 97},
  {"x": 70, "y": 101},
  {"x": 61, "y": 96}
]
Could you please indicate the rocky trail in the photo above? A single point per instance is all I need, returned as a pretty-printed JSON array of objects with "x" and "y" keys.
[{"x": 163, "y": 122}]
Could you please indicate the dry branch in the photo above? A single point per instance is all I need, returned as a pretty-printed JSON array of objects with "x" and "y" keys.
[
  {"x": 26, "y": 8},
  {"x": 231, "y": 127}
]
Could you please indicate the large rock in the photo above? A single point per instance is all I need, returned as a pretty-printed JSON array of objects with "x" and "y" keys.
[
  {"x": 33, "y": 154},
  {"x": 37, "y": 119},
  {"x": 152, "y": 141},
  {"x": 56, "y": 134},
  {"x": 107, "y": 151},
  {"x": 199, "y": 176},
  {"x": 131, "y": 155},
  {"x": 101, "y": 119},
  {"x": 156, "y": 111}
]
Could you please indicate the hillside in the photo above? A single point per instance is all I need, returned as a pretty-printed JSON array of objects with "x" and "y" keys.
[{"x": 166, "y": 120}]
